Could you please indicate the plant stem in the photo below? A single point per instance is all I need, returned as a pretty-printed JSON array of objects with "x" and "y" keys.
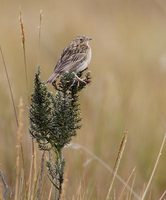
[{"x": 60, "y": 173}]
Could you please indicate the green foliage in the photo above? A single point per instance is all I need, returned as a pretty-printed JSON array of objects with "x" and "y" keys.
[
  {"x": 65, "y": 116},
  {"x": 54, "y": 119},
  {"x": 40, "y": 112}
]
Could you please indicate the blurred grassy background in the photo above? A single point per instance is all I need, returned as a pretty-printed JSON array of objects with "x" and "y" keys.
[{"x": 128, "y": 89}]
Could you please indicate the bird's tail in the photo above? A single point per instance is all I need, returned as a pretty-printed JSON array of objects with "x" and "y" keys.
[{"x": 52, "y": 78}]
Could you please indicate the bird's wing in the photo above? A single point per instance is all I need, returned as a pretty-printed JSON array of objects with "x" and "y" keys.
[{"x": 70, "y": 59}]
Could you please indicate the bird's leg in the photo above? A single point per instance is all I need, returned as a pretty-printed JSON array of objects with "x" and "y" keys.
[{"x": 78, "y": 78}]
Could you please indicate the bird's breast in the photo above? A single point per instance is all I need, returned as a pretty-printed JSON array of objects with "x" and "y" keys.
[{"x": 89, "y": 55}]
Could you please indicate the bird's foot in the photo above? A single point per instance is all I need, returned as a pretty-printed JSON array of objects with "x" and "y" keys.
[{"x": 79, "y": 79}]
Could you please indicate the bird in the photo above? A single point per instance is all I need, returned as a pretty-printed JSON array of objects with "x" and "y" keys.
[{"x": 74, "y": 58}]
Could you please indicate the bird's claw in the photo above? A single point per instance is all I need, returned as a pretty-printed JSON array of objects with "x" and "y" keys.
[{"x": 79, "y": 79}]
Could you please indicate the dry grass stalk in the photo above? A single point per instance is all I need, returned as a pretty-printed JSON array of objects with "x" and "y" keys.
[
  {"x": 1, "y": 195},
  {"x": 124, "y": 187},
  {"x": 6, "y": 194},
  {"x": 24, "y": 51},
  {"x": 50, "y": 193},
  {"x": 39, "y": 36},
  {"x": 142, "y": 189},
  {"x": 40, "y": 183},
  {"x": 21, "y": 192},
  {"x": 154, "y": 169},
  {"x": 32, "y": 173},
  {"x": 29, "y": 183},
  {"x": 9, "y": 84},
  {"x": 117, "y": 163},
  {"x": 105, "y": 165},
  {"x": 79, "y": 193},
  {"x": 18, "y": 147},
  {"x": 34, "y": 170},
  {"x": 162, "y": 196},
  {"x": 132, "y": 186},
  {"x": 114, "y": 195}
]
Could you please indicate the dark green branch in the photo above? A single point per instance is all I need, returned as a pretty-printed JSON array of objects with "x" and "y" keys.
[{"x": 54, "y": 120}]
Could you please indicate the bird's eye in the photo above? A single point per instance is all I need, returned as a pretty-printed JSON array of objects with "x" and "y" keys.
[{"x": 81, "y": 40}]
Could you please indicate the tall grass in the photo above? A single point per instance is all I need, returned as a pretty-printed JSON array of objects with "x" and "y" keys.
[
  {"x": 23, "y": 40},
  {"x": 117, "y": 163},
  {"x": 9, "y": 85},
  {"x": 134, "y": 93}
]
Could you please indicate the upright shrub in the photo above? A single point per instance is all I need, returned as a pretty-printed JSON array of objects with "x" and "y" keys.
[{"x": 54, "y": 120}]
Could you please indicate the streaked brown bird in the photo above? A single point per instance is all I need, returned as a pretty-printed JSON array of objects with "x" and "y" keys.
[{"x": 74, "y": 58}]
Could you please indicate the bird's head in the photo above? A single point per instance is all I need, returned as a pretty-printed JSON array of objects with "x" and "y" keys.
[{"x": 82, "y": 39}]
